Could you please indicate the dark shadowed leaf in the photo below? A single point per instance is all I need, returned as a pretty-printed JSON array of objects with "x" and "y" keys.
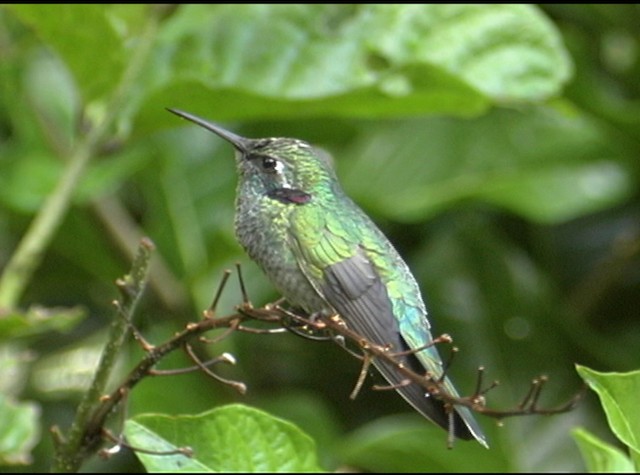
[{"x": 543, "y": 164}]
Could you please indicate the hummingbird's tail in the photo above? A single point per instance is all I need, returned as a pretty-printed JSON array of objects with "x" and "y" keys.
[
  {"x": 354, "y": 288},
  {"x": 460, "y": 423}
]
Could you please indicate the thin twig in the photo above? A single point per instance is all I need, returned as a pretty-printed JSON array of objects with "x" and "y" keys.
[
  {"x": 447, "y": 364},
  {"x": 237, "y": 385},
  {"x": 216, "y": 299},
  {"x": 228, "y": 331},
  {"x": 142, "y": 369},
  {"x": 243, "y": 289},
  {"x": 366, "y": 363},
  {"x": 223, "y": 358},
  {"x": 433, "y": 386},
  {"x": 120, "y": 442}
]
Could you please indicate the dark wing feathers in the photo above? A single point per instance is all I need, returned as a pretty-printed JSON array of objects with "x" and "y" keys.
[
  {"x": 351, "y": 277},
  {"x": 353, "y": 287},
  {"x": 347, "y": 279}
]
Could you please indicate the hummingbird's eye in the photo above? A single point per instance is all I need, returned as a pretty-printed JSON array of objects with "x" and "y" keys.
[{"x": 269, "y": 163}]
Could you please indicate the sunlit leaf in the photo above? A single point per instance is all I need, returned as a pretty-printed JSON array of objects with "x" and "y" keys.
[
  {"x": 618, "y": 393},
  {"x": 600, "y": 456},
  {"x": 232, "y": 438},
  {"x": 252, "y": 61},
  {"x": 83, "y": 36}
]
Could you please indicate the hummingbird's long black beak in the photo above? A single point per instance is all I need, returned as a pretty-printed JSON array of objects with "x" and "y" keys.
[{"x": 237, "y": 141}]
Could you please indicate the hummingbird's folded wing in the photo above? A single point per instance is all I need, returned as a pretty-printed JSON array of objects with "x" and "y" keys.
[{"x": 348, "y": 280}]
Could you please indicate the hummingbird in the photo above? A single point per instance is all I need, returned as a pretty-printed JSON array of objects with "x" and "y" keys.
[{"x": 326, "y": 256}]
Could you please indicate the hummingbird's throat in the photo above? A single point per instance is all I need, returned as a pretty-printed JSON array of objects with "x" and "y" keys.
[{"x": 289, "y": 196}]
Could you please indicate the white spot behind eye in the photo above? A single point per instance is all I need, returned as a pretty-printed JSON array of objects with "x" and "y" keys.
[{"x": 279, "y": 168}]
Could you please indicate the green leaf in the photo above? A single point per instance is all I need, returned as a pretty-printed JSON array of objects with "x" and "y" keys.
[
  {"x": 508, "y": 52},
  {"x": 618, "y": 394},
  {"x": 232, "y": 438},
  {"x": 19, "y": 430},
  {"x": 545, "y": 164},
  {"x": 56, "y": 114},
  {"x": 83, "y": 36},
  {"x": 410, "y": 444},
  {"x": 600, "y": 456},
  {"x": 252, "y": 61},
  {"x": 27, "y": 179},
  {"x": 37, "y": 320},
  {"x": 443, "y": 94},
  {"x": 312, "y": 414}
]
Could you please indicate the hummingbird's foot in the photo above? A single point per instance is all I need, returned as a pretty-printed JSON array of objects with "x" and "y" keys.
[{"x": 299, "y": 323}]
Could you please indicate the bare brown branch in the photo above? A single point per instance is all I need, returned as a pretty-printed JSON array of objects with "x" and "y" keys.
[{"x": 278, "y": 320}]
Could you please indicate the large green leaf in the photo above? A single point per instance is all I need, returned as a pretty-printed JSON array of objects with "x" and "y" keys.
[
  {"x": 544, "y": 164},
  {"x": 248, "y": 61},
  {"x": 232, "y": 438},
  {"x": 442, "y": 94},
  {"x": 507, "y": 51},
  {"x": 618, "y": 394},
  {"x": 83, "y": 35},
  {"x": 311, "y": 413},
  {"x": 599, "y": 456}
]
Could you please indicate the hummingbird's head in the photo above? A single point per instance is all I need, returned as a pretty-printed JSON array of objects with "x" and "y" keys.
[{"x": 288, "y": 170}]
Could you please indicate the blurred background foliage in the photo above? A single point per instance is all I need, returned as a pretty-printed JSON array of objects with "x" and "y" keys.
[{"x": 497, "y": 146}]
